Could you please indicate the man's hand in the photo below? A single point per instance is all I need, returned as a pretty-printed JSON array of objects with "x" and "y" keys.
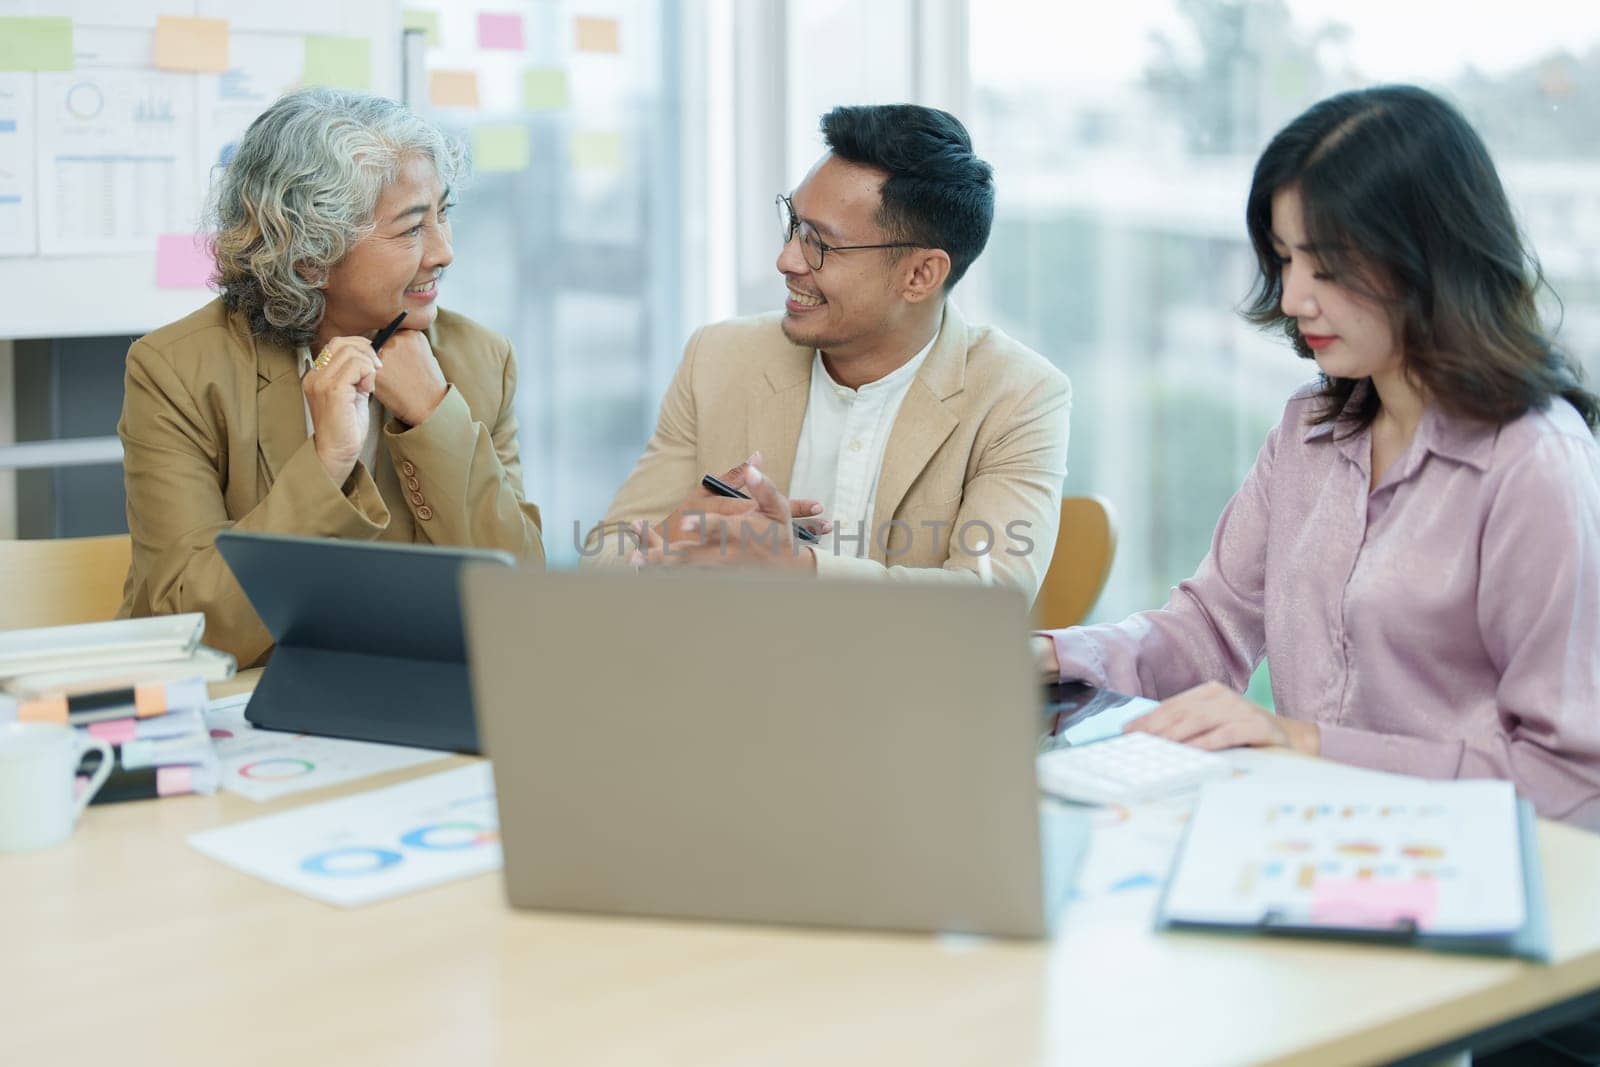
[
  {"x": 808, "y": 512},
  {"x": 410, "y": 383},
  {"x": 337, "y": 391},
  {"x": 721, "y": 531},
  {"x": 1213, "y": 716}
]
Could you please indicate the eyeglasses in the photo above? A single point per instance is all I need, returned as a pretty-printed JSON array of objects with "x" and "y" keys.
[{"x": 812, "y": 245}]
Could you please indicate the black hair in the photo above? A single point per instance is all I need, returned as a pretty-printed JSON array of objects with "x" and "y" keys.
[
  {"x": 1402, "y": 205},
  {"x": 938, "y": 194}
]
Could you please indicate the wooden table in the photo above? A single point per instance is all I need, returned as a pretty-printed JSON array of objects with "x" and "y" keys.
[{"x": 126, "y": 943}]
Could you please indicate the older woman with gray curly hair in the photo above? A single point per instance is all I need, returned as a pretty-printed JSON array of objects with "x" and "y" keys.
[{"x": 331, "y": 221}]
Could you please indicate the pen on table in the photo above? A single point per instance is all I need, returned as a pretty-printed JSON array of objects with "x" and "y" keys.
[
  {"x": 381, "y": 338},
  {"x": 150, "y": 782},
  {"x": 139, "y": 702},
  {"x": 176, "y": 724}
]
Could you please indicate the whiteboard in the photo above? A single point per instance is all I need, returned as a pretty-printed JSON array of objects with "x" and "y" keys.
[{"x": 99, "y": 163}]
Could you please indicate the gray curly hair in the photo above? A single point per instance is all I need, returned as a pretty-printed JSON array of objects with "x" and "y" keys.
[{"x": 301, "y": 190}]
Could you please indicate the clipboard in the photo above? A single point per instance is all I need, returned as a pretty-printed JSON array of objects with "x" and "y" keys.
[{"x": 1530, "y": 940}]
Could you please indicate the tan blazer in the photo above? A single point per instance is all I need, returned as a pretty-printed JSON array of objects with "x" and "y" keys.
[
  {"x": 214, "y": 435},
  {"x": 980, "y": 443}
]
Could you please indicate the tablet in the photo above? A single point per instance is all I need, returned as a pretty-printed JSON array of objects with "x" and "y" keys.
[{"x": 368, "y": 637}]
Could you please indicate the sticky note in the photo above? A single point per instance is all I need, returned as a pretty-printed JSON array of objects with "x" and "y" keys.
[
  {"x": 198, "y": 45},
  {"x": 500, "y": 31},
  {"x": 1364, "y": 902},
  {"x": 426, "y": 21},
  {"x": 36, "y": 43},
  {"x": 598, "y": 34},
  {"x": 340, "y": 62},
  {"x": 544, "y": 89},
  {"x": 183, "y": 261},
  {"x": 453, "y": 88},
  {"x": 596, "y": 150},
  {"x": 499, "y": 148}
]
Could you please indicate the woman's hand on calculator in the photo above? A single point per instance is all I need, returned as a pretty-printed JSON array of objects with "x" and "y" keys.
[{"x": 1213, "y": 716}]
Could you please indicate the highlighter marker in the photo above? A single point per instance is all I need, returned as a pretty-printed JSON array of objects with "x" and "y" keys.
[
  {"x": 174, "y": 724},
  {"x": 151, "y": 782},
  {"x": 140, "y": 702}
]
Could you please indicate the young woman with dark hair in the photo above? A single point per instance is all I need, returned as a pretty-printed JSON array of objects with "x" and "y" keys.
[{"x": 1417, "y": 548}]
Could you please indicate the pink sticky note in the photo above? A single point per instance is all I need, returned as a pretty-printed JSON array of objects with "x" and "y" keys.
[
  {"x": 183, "y": 261},
  {"x": 1374, "y": 901},
  {"x": 500, "y": 31}
]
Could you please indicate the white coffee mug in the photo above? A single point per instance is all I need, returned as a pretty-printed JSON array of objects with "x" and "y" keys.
[{"x": 39, "y": 799}]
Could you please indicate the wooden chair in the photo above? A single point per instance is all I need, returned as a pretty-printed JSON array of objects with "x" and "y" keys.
[
  {"x": 52, "y": 583},
  {"x": 1085, "y": 546}
]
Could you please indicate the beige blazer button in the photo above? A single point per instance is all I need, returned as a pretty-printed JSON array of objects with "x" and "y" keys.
[
  {"x": 416, "y": 498},
  {"x": 412, "y": 483},
  {"x": 424, "y": 513},
  {"x": 409, "y": 467}
]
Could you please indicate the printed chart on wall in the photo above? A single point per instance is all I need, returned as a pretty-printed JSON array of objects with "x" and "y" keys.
[
  {"x": 115, "y": 160},
  {"x": 266, "y": 764},
  {"x": 372, "y": 846},
  {"x": 18, "y": 220}
]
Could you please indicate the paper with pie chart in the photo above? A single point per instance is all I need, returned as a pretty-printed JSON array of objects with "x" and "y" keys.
[
  {"x": 1444, "y": 855},
  {"x": 371, "y": 846},
  {"x": 267, "y": 764}
]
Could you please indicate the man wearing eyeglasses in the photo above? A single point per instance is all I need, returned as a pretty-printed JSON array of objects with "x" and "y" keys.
[{"x": 869, "y": 415}]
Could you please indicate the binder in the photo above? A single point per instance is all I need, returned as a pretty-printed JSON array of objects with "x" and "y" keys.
[
  {"x": 1205, "y": 863},
  {"x": 369, "y": 642}
]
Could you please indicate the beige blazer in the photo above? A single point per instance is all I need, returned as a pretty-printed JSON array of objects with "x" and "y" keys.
[
  {"x": 214, "y": 435},
  {"x": 980, "y": 443}
]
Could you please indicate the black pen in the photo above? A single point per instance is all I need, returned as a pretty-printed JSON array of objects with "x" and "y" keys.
[
  {"x": 722, "y": 488},
  {"x": 383, "y": 335}
]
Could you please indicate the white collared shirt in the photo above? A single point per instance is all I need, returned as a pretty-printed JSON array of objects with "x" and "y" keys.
[
  {"x": 369, "y": 447},
  {"x": 844, "y": 438}
]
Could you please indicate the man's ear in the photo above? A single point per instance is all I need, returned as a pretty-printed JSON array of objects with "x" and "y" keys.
[{"x": 923, "y": 272}]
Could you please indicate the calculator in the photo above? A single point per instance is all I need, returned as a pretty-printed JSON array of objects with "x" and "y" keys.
[{"x": 1127, "y": 769}]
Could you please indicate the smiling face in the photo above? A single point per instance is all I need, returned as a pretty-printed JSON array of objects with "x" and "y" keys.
[
  {"x": 853, "y": 298},
  {"x": 397, "y": 265},
  {"x": 1350, "y": 335}
]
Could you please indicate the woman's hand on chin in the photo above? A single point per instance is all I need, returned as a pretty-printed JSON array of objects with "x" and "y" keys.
[{"x": 410, "y": 385}]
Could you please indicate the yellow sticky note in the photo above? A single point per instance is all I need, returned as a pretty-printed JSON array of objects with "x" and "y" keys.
[
  {"x": 426, "y": 21},
  {"x": 596, "y": 150},
  {"x": 501, "y": 148},
  {"x": 36, "y": 43},
  {"x": 197, "y": 45},
  {"x": 544, "y": 89},
  {"x": 453, "y": 88},
  {"x": 339, "y": 62},
  {"x": 598, "y": 34}
]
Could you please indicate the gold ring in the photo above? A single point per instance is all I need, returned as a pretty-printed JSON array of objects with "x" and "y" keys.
[{"x": 322, "y": 360}]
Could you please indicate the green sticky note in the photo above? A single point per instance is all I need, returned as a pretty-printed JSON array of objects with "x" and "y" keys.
[
  {"x": 339, "y": 62},
  {"x": 500, "y": 148},
  {"x": 36, "y": 43},
  {"x": 596, "y": 150},
  {"x": 544, "y": 89},
  {"x": 426, "y": 21}
]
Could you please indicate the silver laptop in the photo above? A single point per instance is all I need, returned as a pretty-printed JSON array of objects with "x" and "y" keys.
[{"x": 759, "y": 750}]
